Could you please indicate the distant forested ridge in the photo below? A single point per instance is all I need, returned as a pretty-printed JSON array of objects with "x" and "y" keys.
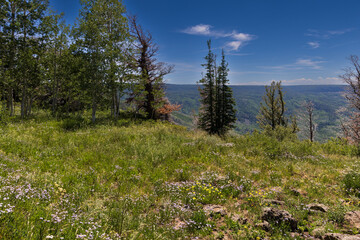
[{"x": 328, "y": 99}]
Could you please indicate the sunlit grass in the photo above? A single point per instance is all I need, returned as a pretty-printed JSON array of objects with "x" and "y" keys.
[{"x": 71, "y": 179}]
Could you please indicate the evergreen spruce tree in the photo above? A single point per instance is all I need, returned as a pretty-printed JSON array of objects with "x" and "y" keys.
[
  {"x": 217, "y": 113},
  {"x": 207, "y": 93},
  {"x": 226, "y": 102}
]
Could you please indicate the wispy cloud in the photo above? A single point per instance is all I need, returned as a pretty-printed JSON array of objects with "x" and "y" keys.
[
  {"x": 236, "y": 39},
  {"x": 313, "y": 81},
  {"x": 309, "y": 63},
  {"x": 299, "y": 64},
  {"x": 326, "y": 34},
  {"x": 314, "y": 44},
  {"x": 201, "y": 29},
  {"x": 186, "y": 67}
]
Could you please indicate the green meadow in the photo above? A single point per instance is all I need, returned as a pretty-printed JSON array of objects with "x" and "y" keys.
[{"x": 128, "y": 179}]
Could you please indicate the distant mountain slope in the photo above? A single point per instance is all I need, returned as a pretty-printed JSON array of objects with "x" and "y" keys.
[{"x": 327, "y": 99}]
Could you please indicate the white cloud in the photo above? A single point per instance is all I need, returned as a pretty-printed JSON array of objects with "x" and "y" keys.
[
  {"x": 234, "y": 45},
  {"x": 314, "y": 44},
  {"x": 236, "y": 39},
  {"x": 200, "y": 29},
  {"x": 242, "y": 36}
]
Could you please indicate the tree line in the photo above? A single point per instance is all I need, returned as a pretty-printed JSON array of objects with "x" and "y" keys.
[{"x": 91, "y": 65}]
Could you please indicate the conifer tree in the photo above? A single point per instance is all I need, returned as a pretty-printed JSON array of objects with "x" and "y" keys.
[
  {"x": 226, "y": 102},
  {"x": 207, "y": 120},
  {"x": 217, "y": 113}
]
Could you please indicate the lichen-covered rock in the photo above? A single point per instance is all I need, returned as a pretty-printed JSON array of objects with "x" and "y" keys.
[
  {"x": 238, "y": 218},
  {"x": 179, "y": 224},
  {"x": 352, "y": 219},
  {"x": 215, "y": 209},
  {"x": 264, "y": 226},
  {"x": 279, "y": 217},
  {"x": 318, "y": 232},
  {"x": 339, "y": 236},
  {"x": 317, "y": 207}
]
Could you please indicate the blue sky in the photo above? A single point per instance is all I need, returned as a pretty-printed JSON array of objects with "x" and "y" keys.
[{"x": 295, "y": 41}]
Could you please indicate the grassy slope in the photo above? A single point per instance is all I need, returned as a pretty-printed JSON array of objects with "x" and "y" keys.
[{"x": 137, "y": 180}]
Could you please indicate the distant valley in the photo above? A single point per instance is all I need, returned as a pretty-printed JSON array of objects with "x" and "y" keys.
[{"x": 328, "y": 99}]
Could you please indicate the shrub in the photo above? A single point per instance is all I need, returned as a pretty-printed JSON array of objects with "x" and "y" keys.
[
  {"x": 72, "y": 124},
  {"x": 351, "y": 183},
  {"x": 4, "y": 116},
  {"x": 281, "y": 133},
  {"x": 337, "y": 214}
]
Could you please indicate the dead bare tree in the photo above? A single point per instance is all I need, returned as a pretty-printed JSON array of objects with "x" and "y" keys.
[
  {"x": 351, "y": 127},
  {"x": 149, "y": 94},
  {"x": 308, "y": 117}
]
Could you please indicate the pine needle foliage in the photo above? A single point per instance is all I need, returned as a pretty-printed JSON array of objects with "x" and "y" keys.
[{"x": 217, "y": 112}]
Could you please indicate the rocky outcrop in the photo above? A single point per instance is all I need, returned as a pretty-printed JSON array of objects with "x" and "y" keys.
[
  {"x": 264, "y": 226},
  {"x": 317, "y": 207},
  {"x": 339, "y": 236},
  {"x": 279, "y": 217},
  {"x": 352, "y": 219}
]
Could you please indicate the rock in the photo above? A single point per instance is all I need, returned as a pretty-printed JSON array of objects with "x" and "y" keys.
[
  {"x": 299, "y": 192},
  {"x": 264, "y": 226},
  {"x": 353, "y": 219},
  {"x": 215, "y": 209},
  {"x": 238, "y": 218},
  {"x": 318, "y": 232},
  {"x": 294, "y": 235},
  {"x": 317, "y": 207},
  {"x": 220, "y": 235},
  {"x": 179, "y": 224},
  {"x": 275, "y": 202},
  {"x": 339, "y": 236},
  {"x": 279, "y": 216}
]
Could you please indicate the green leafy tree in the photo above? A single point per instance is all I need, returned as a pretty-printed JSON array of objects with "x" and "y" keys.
[
  {"x": 10, "y": 32},
  {"x": 56, "y": 37},
  {"x": 22, "y": 38},
  {"x": 100, "y": 35},
  {"x": 117, "y": 51}
]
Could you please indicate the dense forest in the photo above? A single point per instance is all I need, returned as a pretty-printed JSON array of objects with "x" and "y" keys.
[{"x": 90, "y": 65}]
